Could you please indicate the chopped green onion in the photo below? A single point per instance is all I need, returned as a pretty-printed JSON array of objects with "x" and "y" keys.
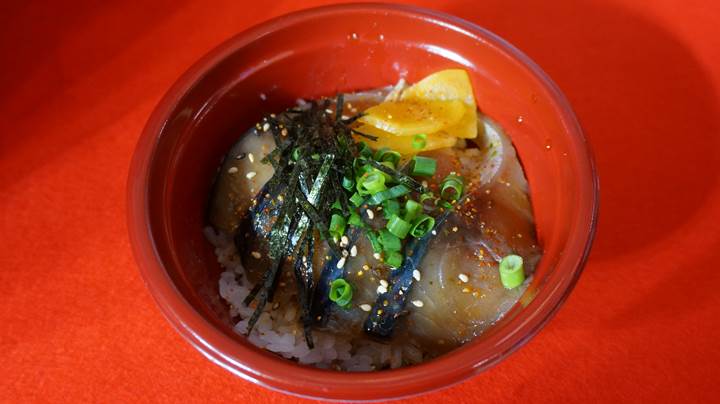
[
  {"x": 356, "y": 199},
  {"x": 355, "y": 220},
  {"x": 423, "y": 166},
  {"x": 315, "y": 156},
  {"x": 412, "y": 210},
  {"x": 348, "y": 183},
  {"x": 296, "y": 154},
  {"x": 389, "y": 241},
  {"x": 419, "y": 141},
  {"x": 422, "y": 225},
  {"x": 391, "y": 193},
  {"x": 337, "y": 226},
  {"x": 371, "y": 183},
  {"x": 336, "y": 205},
  {"x": 427, "y": 196},
  {"x": 398, "y": 227},
  {"x": 394, "y": 259},
  {"x": 365, "y": 150},
  {"x": 390, "y": 207},
  {"x": 341, "y": 292},
  {"x": 374, "y": 241},
  {"x": 386, "y": 155},
  {"x": 451, "y": 187},
  {"x": 511, "y": 271}
]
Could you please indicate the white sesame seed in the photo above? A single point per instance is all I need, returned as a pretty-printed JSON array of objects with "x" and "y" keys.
[
  {"x": 344, "y": 241},
  {"x": 266, "y": 127},
  {"x": 434, "y": 233},
  {"x": 418, "y": 303},
  {"x": 365, "y": 307},
  {"x": 416, "y": 275},
  {"x": 454, "y": 229},
  {"x": 424, "y": 183},
  {"x": 381, "y": 289},
  {"x": 353, "y": 251},
  {"x": 370, "y": 214},
  {"x": 232, "y": 170},
  {"x": 366, "y": 267},
  {"x": 328, "y": 111},
  {"x": 463, "y": 278},
  {"x": 250, "y": 175},
  {"x": 280, "y": 198},
  {"x": 256, "y": 255},
  {"x": 383, "y": 282},
  {"x": 341, "y": 262},
  {"x": 284, "y": 132},
  {"x": 251, "y": 157},
  {"x": 345, "y": 253},
  {"x": 376, "y": 256}
]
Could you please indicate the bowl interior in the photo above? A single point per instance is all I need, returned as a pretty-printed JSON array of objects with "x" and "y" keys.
[{"x": 311, "y": 55}]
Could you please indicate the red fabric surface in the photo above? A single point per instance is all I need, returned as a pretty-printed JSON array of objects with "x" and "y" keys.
[{"x": 77, "y": 83}]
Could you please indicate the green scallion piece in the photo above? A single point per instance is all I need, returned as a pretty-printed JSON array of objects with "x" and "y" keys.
[
  {"x": 365, "y": 150},
  {"x": 394, "y": 259},
  {"x": 451, "y": 188},
  {"x": 341, "y": 292},
  {"x": 427, "y": 196},
  {"x": 423, "y": 166},
  {"x": 389, "y": 241},
  {"x": 336, "y": 205},
  {"x": 337, "y": 226},
  {"x": 374, "y": 241},
  {"x": 398, "y": 226},
  {"x": 391, "y": 193},
  {"x": 356, "y": 199},
  {"x": 371, "y": 184},
  {"x": 296, "y": 154},
  {"x": 422, "y": 226},
  {"x": 348, "y": 183},
  {"x": 412, "y": 210},
  {"x": 419, "y": 141},
  {"x": 512, "y": 274},
  {"x": 355, "y": 220},
  {"x": 390, "y": 207},
  {"x": 385, "y": 154}
]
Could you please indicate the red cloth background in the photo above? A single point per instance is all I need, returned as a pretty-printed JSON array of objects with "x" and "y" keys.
[{"x": 78, "y": 81}]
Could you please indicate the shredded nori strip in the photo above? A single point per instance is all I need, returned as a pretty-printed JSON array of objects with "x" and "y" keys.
[{"x": 310, "y": 160}]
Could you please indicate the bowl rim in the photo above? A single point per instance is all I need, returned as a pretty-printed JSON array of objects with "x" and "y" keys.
[{"x": 280, "y": 374}]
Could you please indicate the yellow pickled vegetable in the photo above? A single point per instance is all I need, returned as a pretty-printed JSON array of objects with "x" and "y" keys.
[
  {"x": 414, "y": 116},
  {"x": 450, "y": 84},
  {"x": 402, "y": 144}
]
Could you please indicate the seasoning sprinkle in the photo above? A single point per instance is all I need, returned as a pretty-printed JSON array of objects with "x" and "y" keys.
[
  {"x": 353, "y": 251},
  {"x": 381, "y": 289},
  {"x": 418, "y": 303},
  {"x": 266, "y": 127},
  {"x": 256, "y": 255},
  {"x": 232, "y": 170},
  {"x": 365, "y": 307},
  {"x": 376, "y": 256},
  {"x": 416, "y": 275},
  {"x": 463, "y": 278},
  {"x": 384, "y": 283}
]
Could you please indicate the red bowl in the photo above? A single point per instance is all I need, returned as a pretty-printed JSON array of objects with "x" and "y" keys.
[{"x": 321, "y": 52}]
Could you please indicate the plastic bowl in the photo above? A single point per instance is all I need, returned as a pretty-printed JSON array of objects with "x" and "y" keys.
[{"x": 320, "y": 52}]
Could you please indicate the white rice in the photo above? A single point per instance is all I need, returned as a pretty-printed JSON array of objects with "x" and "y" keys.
[{"x": 278, "y": 329}]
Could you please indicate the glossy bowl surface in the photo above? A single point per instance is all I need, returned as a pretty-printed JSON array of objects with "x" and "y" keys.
[{"x": 320, "y": 52}]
